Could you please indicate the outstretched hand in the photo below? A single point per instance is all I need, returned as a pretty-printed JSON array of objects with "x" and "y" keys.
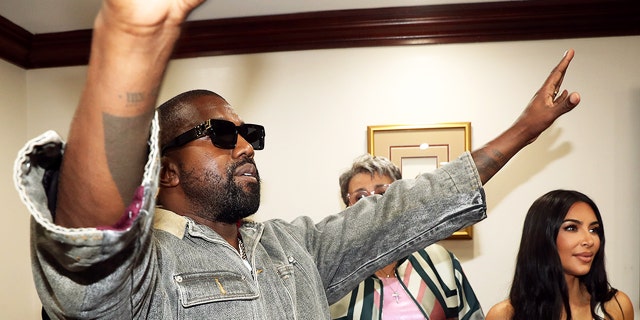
[
  {"x": 546, "y": 105},
  {"x": 544, "y": 108}
]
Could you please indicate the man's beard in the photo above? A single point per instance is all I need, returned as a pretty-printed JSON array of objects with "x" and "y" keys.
[{"x": 217, "y": 199}]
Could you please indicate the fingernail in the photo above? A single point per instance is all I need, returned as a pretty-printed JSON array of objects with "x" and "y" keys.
[{"x": 565, "y": 53}]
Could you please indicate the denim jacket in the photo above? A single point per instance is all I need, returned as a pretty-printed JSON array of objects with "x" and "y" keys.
[{"x": 155, "y": 264}]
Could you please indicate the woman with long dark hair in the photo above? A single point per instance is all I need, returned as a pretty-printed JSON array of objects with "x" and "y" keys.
[{"x": 560, "y": 270}]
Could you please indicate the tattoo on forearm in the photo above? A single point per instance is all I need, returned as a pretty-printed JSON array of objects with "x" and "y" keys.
[
  {"x": 488, "y": 162},
  {"x": 126, "y": 149},
  {"x": 140, "y": 97},
  {"x": 135, "y": 97}
]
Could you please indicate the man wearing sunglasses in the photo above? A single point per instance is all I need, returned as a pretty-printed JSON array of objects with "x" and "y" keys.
[
  {"x": 428, "y": 284},
  {"x": 101, "y": 248}
]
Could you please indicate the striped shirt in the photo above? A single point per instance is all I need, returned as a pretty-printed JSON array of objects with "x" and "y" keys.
[{"x": 432, "y": 278}]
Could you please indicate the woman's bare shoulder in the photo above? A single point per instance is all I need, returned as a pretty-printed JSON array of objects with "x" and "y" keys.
[
  {"x": 500, "y": 311},
  {"x": 620, "y": 307}
]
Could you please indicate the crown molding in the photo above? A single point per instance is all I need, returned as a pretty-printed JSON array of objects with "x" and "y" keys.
[
  {"x": 417, "y": 25},
  {"x": 15, "y": 43}
]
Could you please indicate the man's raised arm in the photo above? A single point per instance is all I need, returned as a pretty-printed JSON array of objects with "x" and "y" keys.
[
  {"x": 545, "y": 107},
  {"x": 107, "y": 146}
]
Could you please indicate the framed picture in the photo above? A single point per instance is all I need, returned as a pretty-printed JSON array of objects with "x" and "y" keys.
[{"x": 421, "y": 148}]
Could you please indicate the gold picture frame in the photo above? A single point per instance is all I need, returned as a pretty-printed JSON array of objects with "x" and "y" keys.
[{"x": 420, "y": 148}]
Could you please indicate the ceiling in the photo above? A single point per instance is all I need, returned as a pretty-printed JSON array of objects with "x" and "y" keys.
[
  {"x": 47, "y": 16},
  {"x": 56, "y": 33}
]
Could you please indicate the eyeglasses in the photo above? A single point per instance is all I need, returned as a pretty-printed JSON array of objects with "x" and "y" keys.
[
  {"x": 223, "y": 134},
  {"x": 361, "y": 193}
]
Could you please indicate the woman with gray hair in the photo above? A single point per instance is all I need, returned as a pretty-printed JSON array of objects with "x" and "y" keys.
[
  {"x": 371, "y": 165},
  {"x": 428, "y": 284}
]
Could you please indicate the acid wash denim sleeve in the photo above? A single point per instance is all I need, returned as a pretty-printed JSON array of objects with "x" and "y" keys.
[
  {"x": 412, "y": 214},
  {"x": 156, "y": 264},
  {"x": 84, "y": 273}
]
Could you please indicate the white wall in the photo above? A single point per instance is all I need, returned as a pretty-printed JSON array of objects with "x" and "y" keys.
[
  {"x": 316, "y": 106},
  {"x": 18, "y": 299}
]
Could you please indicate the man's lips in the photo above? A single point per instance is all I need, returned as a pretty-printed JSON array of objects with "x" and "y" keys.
[{"x": 246, "y": 170}]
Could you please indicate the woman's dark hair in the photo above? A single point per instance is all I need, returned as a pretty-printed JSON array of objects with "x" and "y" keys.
[{"x": 539, "y": 289}]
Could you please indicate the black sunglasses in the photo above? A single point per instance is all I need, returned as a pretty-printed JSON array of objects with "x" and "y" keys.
[{"x": 223, "y": 134}]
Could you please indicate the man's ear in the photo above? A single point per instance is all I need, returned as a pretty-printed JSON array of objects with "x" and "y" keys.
[{"x": 169, "y": 176}]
